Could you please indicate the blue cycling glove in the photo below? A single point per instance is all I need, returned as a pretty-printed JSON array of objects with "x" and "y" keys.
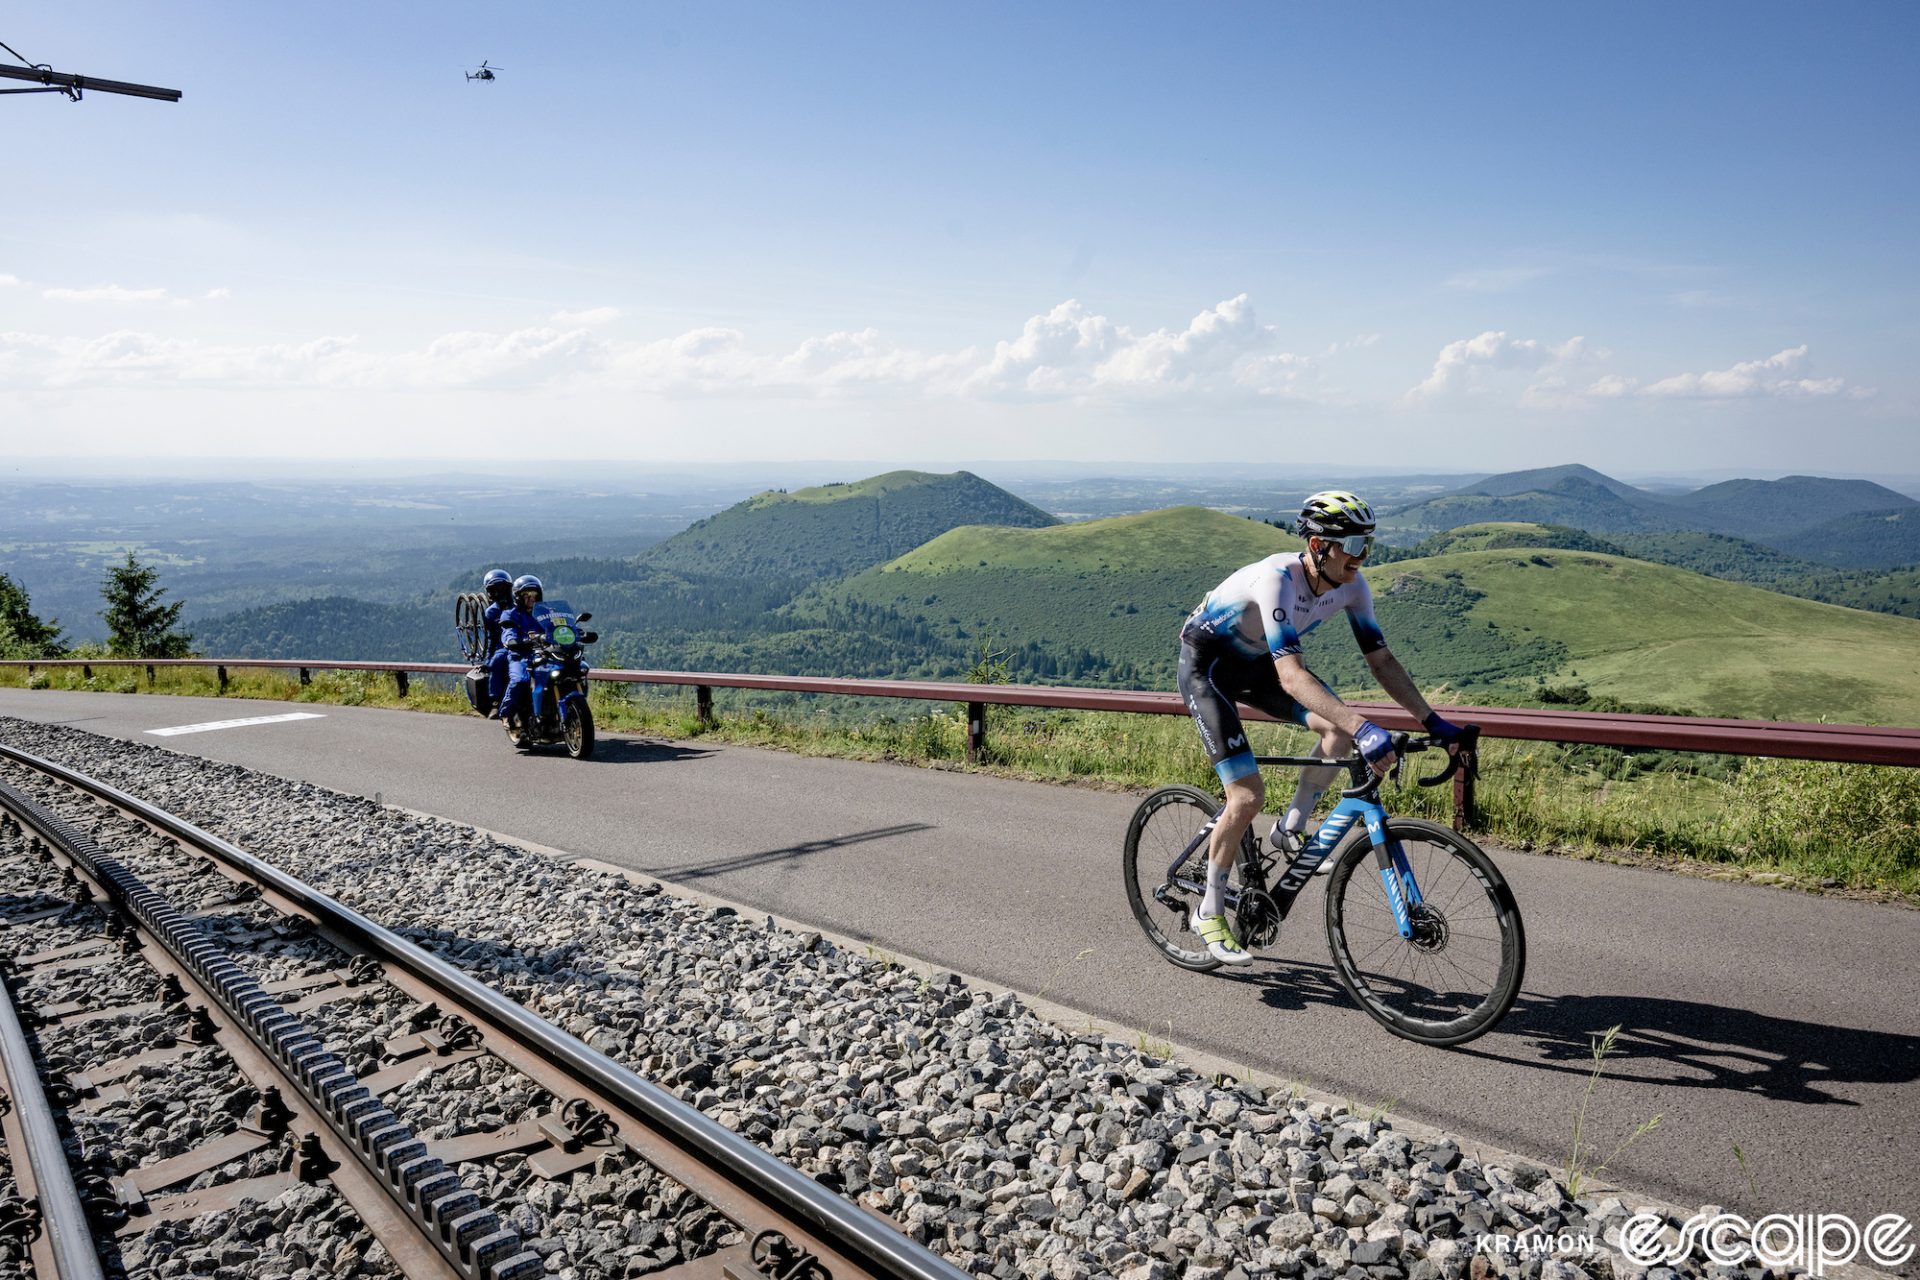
[
  {"x": 1374, "y": 742},
  {"x": 1447, "y": 733}
]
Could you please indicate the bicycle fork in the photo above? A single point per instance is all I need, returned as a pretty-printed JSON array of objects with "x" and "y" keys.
[{"x": 1390, "y": 860}]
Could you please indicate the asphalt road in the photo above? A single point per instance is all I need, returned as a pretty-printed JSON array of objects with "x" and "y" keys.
[{"x": 1781, "y": 1022}]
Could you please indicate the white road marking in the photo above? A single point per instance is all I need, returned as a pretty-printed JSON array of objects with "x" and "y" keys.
[{"x": 234, "y": 724}]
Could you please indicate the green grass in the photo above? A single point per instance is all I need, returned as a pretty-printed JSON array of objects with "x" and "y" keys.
[{"x": 1798, "y": 822}]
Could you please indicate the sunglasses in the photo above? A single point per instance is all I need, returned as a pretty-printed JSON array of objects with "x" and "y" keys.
[{"x": 1356, "y": 545}]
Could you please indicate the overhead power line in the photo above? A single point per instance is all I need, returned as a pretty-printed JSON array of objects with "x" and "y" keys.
[{"x": 72, "y": 85}]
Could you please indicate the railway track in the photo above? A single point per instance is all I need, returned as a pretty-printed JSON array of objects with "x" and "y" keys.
[{"x": 200, "y": 1047}]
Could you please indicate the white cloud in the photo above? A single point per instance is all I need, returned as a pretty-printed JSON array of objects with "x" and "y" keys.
[
  {"x": 1773, "y": 376},
  {"x": 1454, "y": 369},
  {"x": 7, "y": 281},
  {"x": 586, "y": 318},
  {"x": 1067, "y": 352},
  {"x": 105, "y": 293}
]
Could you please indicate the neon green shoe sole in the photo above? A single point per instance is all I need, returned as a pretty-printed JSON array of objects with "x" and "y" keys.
[{"x": 1221, "y": 944}]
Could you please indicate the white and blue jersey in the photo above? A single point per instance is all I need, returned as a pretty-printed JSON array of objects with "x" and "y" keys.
[
  {"x": 1264, "y": 609},
  {"x": 1229, "y": 644}
]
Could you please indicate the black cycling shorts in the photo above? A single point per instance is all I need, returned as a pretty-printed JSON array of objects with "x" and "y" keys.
[{"x": 1215, "y": 676}]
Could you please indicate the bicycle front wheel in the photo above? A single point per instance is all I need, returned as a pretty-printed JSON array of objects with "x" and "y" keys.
[
  {"x": 1164, "y": 824},
  {"x": 1460, "y": 972}
]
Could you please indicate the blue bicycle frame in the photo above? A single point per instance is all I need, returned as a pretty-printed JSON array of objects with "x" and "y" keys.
[{"x": 1403, "y": 891}]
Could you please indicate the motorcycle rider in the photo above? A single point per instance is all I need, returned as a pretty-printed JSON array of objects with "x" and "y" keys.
[
  {"x": 519, "y": 628},
  {"x": 499, "y": 600}
]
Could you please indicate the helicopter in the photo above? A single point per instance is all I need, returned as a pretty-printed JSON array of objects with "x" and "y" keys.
[{"x": 484, "y": 73}]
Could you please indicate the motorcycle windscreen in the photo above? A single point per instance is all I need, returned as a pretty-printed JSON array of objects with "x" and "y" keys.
[{"x": 557, "y": 617}]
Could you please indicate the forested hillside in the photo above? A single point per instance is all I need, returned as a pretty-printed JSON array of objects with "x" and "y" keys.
[{"x": 837, "y": 529}]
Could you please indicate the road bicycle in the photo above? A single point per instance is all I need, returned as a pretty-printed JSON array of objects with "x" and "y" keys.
[{"x": 1425, "y": 933}]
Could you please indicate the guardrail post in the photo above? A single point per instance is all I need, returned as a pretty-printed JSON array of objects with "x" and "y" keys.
[
  {"x": 306, "y": 677},
  {"x": 703, "y": 703},
  {"x": 1465, "y": 818},
  {"x": 400, "y": 682},
  {"x": 223, "y": 680},
  {"x": 976, "y": 731},
  {"x": 86, "y": 670},
  {"x": 149, "y": 675}
]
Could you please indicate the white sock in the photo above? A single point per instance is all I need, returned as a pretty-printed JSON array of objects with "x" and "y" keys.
[
  {"x": 1313, "y": 784},
  {"x": 1215, "y": 903}
]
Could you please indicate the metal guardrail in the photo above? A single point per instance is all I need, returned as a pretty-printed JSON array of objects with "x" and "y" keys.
[{"x": 1842, "y": 743}]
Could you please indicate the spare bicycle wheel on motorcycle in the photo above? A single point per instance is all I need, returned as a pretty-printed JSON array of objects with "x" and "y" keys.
[{"x": 470, "y": 620}]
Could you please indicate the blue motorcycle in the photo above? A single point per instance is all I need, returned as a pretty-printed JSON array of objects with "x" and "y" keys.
[{"x": 558, "y": 688}]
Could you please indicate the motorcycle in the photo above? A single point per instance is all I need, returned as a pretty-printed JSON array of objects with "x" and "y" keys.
[{"x": 555, "y": 709}]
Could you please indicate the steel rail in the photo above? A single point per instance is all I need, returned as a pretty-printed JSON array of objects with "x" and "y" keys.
[
  {"x": 1839, "y": 743},
  {"x": 447, "y": 1229},
  {"x": 867, "y": 1242},
  {"x": 64, "y": 1244}
]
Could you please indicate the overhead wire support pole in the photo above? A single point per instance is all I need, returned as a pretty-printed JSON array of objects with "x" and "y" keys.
[{"x": 72, "y": 85}]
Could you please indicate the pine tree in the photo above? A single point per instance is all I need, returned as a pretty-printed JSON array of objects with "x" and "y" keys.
[
  {"x": 139, "y": 625},
  {"x": 22, "y": 633}
]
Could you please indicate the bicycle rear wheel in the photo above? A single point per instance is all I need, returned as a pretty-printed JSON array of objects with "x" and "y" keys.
[
  {"x": 1460, "y": 972},
  {"x": 1166, "y": 821}
]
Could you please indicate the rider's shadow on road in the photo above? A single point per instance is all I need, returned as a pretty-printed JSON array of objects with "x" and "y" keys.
[
  {"x": 1662, "y": 1041},
  {"x": 1708, "y": 1046},
  {"x": 642, "y": 751}
]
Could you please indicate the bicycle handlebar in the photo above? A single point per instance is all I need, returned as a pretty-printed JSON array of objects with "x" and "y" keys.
[{"x": 1404, "y": 745}]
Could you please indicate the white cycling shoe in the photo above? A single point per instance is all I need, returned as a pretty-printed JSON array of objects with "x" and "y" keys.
[{"x": 1221, "y": 944}]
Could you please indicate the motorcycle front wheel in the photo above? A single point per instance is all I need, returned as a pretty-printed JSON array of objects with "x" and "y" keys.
[{"x": 578, "y": 728}]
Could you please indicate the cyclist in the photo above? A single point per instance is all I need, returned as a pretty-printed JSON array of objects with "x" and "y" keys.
[
  {"x": 1243, "y": 644},
  {"x": 499, "y": 601},
  {"x": 519, "y": 628}
]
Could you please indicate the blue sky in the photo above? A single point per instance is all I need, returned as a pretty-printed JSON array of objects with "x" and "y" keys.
[{"x": 1653, "y": 238}]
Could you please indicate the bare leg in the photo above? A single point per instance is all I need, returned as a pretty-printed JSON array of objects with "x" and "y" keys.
[
  {"x": 1244, "y": 798},
  {"x": 1315, "y": 779}
]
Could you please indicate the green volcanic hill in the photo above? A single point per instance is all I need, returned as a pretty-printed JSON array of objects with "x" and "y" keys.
[
  {"x": 1115, "y": 590},
  {"x": 1568, "y": 499},
  {"x": 837, "y": 529},
  {"x": 1506, "y": 535},
  {"x": 1852, "y": 524},
  {"x": 1100, "y": 600},
  {"x": 1547, "y": 479},
  {"x": 1653, "y": 633},
  {"x": 1772, "y": 511},
  {"x": 1860, "y": 539}
]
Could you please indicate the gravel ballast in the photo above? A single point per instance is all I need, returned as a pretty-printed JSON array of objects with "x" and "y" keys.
[{"x": 1010, "y": 1145}]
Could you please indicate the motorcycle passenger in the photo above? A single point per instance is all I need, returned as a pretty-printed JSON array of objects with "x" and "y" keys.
[
  {"x": 518, "y": 630},
  {"x": 499, "y": 600}
]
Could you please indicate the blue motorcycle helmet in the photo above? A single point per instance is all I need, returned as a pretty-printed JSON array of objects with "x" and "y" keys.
[
  {"x": 495, "y": 585},
  {"x": 527, "y": 582}
]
